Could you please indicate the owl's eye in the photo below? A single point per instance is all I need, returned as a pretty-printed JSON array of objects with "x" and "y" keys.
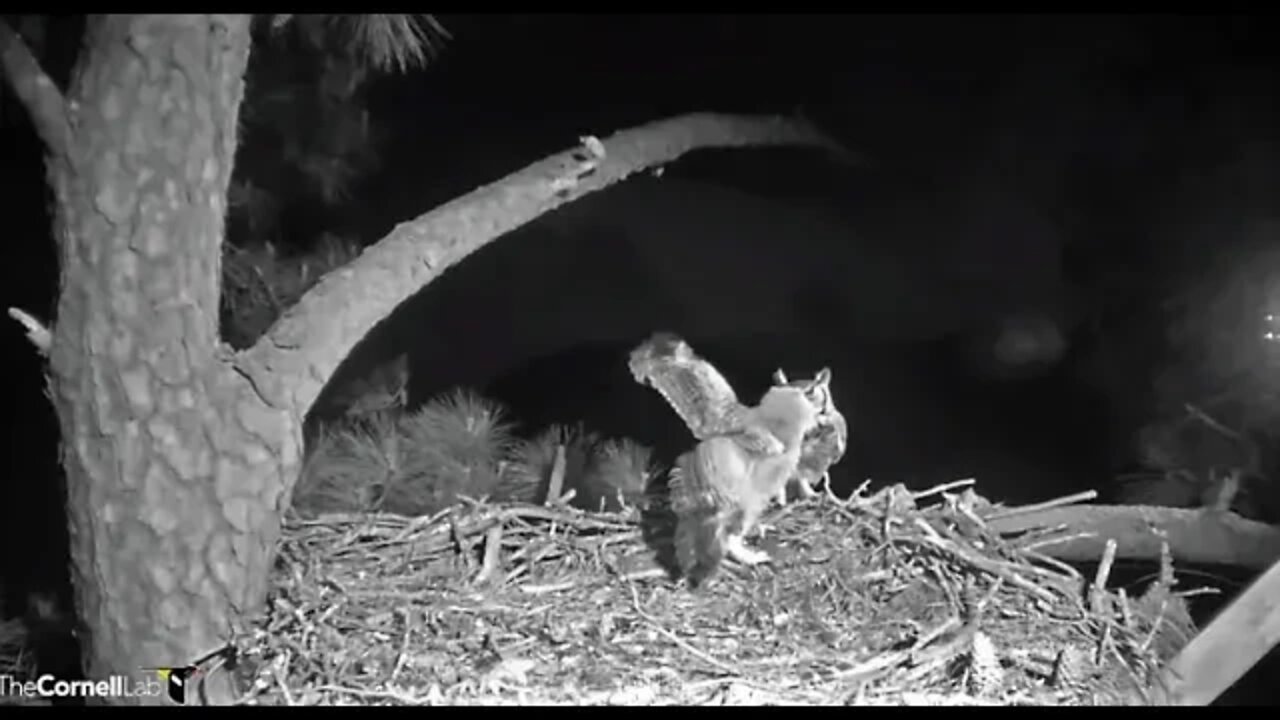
[{"x": 818, "y": 395}]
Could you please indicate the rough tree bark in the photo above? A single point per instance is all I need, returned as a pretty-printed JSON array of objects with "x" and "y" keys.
[
  {"x": 172, "y": 464},
  {"x": 180, "y": 455}
]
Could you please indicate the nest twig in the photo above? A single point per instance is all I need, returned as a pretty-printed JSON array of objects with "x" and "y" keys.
[{"x": 873, "y": 599}]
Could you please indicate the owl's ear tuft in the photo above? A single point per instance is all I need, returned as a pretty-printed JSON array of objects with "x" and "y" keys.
[{"x": 823, "y": 377}]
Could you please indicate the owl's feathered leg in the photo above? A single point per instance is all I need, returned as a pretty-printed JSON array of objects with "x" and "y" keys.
[
  {"x": 734, "y": 543},
  {"x": 807, "y": 490},
  {"x": 704, "y": 521},
  {"x": 698, "y": 545}
]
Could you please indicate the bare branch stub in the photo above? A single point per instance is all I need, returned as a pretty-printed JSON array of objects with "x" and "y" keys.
[
  {"x": 37, "y": 91},
  {"x": 37, "y": 332}
]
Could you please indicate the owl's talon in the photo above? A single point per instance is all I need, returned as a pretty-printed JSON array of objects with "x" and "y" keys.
[{"x": 736, "y": 550}]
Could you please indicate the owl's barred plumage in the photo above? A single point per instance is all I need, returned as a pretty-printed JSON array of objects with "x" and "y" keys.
[
  {"x": 708, "y": 405},
  {"x": 722, "y": 486},
  {"x": 822, "y": 448},
  {"x": 745, "y": 456},
  {"x": 699, "y": 394},
  {"x": 706, "y": 514}
]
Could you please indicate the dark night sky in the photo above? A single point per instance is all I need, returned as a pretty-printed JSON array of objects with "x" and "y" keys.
[{"x": 1103, "y": 128}]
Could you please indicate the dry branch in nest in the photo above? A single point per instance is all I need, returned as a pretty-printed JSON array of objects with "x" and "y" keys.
[{"x": 876, "y": 599}]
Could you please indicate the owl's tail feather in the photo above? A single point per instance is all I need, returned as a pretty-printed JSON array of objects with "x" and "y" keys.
[{"x": 703, "y": 520}]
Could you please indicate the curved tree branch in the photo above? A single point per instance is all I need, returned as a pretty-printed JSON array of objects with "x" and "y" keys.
[
  {"x": 36, "y": 90},
  {"x": 291, "y": 362}
]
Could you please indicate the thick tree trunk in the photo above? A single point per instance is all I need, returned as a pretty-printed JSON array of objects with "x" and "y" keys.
[{"x": 174, "y": 467}]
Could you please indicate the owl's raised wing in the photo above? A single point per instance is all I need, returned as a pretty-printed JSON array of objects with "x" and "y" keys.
[{"x": 699, "y": 394}]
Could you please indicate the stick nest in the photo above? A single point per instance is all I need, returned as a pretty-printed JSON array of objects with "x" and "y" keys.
[{"x": 892, "y": 598}]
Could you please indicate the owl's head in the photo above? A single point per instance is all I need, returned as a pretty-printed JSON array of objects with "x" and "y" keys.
[
  {"x": 816, "y": 390},
  {"x": 797, "y": 404}
]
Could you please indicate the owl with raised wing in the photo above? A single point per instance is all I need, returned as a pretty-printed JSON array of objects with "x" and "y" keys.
[
  {"x": 708, "y": 405},
  {"x": 745, "y": 456}
]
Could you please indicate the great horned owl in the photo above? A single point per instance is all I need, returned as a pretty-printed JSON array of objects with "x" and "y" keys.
[
  {"x": 825, "y": 444},
  {"x": 745, "y": 455},
  {"x": 708, "y": 405}
]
